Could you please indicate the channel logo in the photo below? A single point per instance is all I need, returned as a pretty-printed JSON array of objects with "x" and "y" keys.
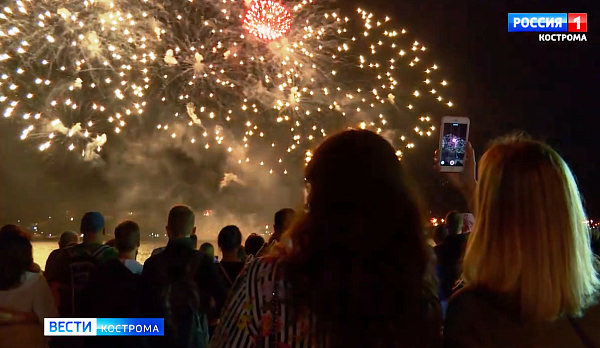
[
  {"x": 577, "y": 22},
  {"x": 547, "y": 22},
  {"x": 104, "y": 327}
]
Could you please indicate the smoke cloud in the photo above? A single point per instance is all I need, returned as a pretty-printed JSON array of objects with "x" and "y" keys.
[{"x": 140, "y": 177}]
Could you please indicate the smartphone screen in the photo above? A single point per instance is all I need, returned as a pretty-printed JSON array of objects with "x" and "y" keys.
[{"x": 454, "y": 144}]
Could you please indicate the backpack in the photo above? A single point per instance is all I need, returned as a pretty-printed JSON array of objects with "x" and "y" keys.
[
  {"x": 185, "y": 325},
  {"x": 115, "y": 292},
  {"x": 80, "y": 269}
]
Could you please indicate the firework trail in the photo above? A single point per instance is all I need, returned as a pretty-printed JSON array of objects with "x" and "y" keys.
[{"x": 261, "y": 79}]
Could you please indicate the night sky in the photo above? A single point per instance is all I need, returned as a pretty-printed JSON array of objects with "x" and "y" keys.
[
  {"x": 502, "y": 81},
  {"x": 511, "y": 81}
]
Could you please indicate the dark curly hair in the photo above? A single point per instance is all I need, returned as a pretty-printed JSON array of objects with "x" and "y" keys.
[{"x": 16, "y": 256}]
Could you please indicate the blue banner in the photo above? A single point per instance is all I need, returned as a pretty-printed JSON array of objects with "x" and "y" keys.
[
  {"x": 130, "y": 327},
  {"x": 104, "y": 326},
  {"x": 538, "y": 22}
]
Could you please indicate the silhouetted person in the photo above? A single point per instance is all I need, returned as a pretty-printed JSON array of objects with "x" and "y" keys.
[
  {"x": 116, "y": 287},
  {"x": 253, "y": 244},
  {"x": 439, "y": 235},
  {"x": 127, "y": 243},
  {"x": 208, "y": 249},
  {"x": 283, "y": 221},
  {"x": 179, "y": 284},
  {"x": 67, "y": 239},
  {"x": 25, "y": 297},
  {"x": 71, "y": 273},
  {"x": 454, "y": 223},
  {"x": 213, "y": 316},
  {"x": 242, "y": 254},
  {"x": 595, "y": 241},
  {"x": 319, "y": 291},
  {"x": 16, "y": 230},
  {"x": 230, "y": 242},
  {"x": 449, "y": 255},
  {"x": 194, "y": 239}
]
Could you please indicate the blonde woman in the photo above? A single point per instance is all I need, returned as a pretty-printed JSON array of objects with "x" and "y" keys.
[{"x": 528, "y": 269}]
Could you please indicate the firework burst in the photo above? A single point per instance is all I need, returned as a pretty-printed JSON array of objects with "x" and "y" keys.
[
  {"x": 69, "y": 70},
  {"x": 269, "y": 88},
  {"x": 264, "y": 80},
  {"x": 267, "y": 20}
]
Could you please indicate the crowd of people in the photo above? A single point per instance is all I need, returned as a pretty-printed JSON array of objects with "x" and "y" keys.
[{"x": 518, "y": 270}]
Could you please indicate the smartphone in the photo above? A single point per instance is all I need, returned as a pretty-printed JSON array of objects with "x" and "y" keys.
[
  {"x": 216, "y": 259},
  {"x": 454, "y": 135}
]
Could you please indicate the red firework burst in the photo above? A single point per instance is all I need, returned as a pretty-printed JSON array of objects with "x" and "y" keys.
[{"x": 268, "y": 20}]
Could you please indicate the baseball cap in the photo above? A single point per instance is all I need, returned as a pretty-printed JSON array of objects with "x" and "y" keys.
[{"x": 92, "y": 222}]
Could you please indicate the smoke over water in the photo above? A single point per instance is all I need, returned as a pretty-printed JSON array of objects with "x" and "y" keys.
[
  {"x": 150, "y": 174},
  {"x": 141, "y": 178}
]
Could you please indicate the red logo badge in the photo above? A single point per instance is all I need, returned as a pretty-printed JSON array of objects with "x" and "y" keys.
[{"x": 577, "y": 22}]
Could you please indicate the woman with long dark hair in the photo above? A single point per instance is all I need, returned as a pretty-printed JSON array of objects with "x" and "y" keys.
[
  {"x": 25, "y": 297},
  {"x": 354, "y": 274}
]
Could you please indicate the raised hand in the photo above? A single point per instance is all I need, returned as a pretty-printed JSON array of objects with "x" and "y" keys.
[{"x": 465, "y": 181}]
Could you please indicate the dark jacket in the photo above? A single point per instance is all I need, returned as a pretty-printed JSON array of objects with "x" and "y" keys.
[
  {"x": 449, "y": 256},
  {"x": 115, "y": 293},
  {"x": 170, "y": 267},
  {"x": 478, "y": 319}
]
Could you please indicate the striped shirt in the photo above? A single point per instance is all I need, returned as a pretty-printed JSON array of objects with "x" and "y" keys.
[{"x": 257, "y": 298}]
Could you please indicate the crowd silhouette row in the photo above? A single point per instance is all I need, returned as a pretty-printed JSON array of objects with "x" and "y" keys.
[{"x": 352, "y": 269}]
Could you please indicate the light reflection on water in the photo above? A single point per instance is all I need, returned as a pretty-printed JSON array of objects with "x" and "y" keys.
[{"x": 41, "y": 249}]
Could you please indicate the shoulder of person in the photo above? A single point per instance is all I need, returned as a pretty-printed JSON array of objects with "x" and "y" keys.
[
  {"x": 262, "y": 267},
  {"x": 34, "y": 279},
  {"x": 74, "y": 251},
  {"x": 55, "y": 253},
  {"x": 264, "y": 250},
  {"x": 475, "y": 303},
  {"x": 468, "y": 322},
  {"x": 157, "y": 251},
  {"x": 105, "y": 250},
  {"x": 62, "y": 256},
  {"x": 592, "y": 313},
  {"x": 34, "y": 276},
  {"x": 111, "y": 264},
  {"x": 150, "y": 263},
  {"x": 201, "y": 260},
  {"x": 97, "y": 251},
  {"x": 465, "y": 296}
]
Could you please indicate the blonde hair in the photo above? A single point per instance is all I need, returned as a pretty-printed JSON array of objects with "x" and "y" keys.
[{"x": 530, "y": 242}]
